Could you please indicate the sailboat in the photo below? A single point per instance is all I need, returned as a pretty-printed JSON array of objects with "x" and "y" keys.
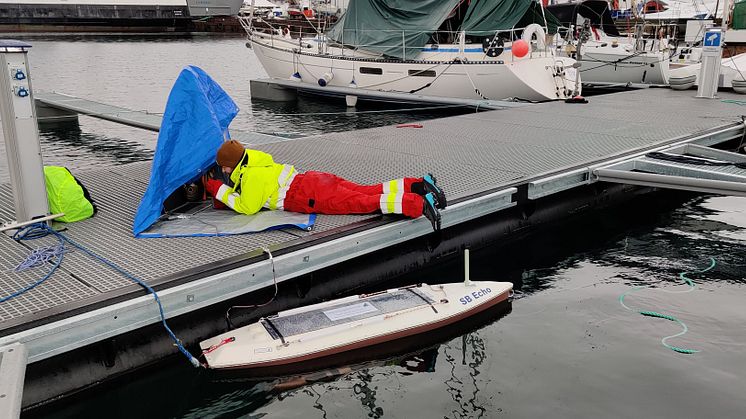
[
  {"x": 482, "y": 49},
  {"x": 606, "y": 55}
]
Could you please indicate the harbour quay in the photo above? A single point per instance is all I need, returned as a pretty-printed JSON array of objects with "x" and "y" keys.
[{"x": 507, "y": 173}]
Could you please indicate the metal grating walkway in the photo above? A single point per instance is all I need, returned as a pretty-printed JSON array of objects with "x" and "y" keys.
[{"x": 471, "y": 154}]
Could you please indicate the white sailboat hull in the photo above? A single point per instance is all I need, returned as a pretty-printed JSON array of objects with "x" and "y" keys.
[
  {"x": 354, "y": 322},
  {"x": 604, "y": 63},
  {"x": 538, "y": 77}
]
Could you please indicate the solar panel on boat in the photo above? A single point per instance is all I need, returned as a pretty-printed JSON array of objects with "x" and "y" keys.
[{"x": 333, "y": 315}]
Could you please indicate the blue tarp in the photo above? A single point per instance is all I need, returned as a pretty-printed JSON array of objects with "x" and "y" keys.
[{"x": 194, "y": 125}]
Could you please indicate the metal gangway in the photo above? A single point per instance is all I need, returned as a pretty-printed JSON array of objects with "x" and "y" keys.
[
  {"x": 55, "y": 106},
  {"x": 691, "y": 164},
  {"x": 689, "y": 167}
]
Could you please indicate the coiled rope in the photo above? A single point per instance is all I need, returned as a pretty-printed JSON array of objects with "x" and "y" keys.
[
  {"x": 43, "y": 255},
  {"x": 650, "y": 313}
]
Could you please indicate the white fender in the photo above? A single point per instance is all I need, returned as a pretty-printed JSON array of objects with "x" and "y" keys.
[{"x": 538, "y": 30}]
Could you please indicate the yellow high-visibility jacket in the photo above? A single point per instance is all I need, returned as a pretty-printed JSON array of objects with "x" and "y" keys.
[{"x": 257, "y": 182}]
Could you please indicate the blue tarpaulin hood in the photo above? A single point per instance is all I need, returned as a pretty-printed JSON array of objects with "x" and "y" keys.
[{"x": 194, "y": 124}]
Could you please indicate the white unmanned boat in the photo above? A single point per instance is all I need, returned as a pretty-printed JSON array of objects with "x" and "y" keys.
[
  {"x": 444, "y": 48},
  {"x": 321, "y": 330}
]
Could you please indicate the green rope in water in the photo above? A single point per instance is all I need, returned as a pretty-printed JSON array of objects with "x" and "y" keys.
[
  {"x": 649, "y": 313},
  {"x": 735, "y": 102}
]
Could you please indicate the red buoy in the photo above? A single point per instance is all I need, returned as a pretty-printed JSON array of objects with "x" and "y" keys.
[{"x": 519, "y": 48}]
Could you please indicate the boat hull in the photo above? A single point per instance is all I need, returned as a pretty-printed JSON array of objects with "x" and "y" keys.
[
  {"x": 253, "y": 347},
  {"x": 604, "y": 63},
  {"x": 109, "y": 15},
  {"x": 537, "y": 78}
]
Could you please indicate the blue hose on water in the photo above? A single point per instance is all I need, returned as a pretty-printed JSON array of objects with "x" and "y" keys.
[
  {"x": 650, "y": 313},
  {"x": 43, "y": 255}
]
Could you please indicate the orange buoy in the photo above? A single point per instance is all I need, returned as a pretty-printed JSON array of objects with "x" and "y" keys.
[{"x": 519, "y": 48}]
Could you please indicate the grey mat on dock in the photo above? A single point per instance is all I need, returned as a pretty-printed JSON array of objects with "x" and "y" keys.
[{"x": 204, "y": 221}]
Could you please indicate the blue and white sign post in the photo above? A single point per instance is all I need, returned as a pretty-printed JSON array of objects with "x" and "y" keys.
[{"x": 709, "y": 72}]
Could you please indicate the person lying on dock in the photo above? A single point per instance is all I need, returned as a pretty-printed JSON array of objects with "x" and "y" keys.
[{"x": 258, "y": 182}]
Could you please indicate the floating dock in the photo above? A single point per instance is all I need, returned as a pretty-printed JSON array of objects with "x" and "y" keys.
[{"x": 504, "y": 172}]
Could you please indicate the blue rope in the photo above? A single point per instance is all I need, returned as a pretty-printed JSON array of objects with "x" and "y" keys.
[
  {"x": 36, "y": 231},
  {"x": 37, "y": 258}
]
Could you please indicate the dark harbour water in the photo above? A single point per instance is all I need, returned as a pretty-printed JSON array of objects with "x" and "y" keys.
[{"x": 565, "y": 348}]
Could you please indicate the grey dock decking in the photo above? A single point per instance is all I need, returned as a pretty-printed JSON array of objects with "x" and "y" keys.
[{"x": 478, "y": 158}]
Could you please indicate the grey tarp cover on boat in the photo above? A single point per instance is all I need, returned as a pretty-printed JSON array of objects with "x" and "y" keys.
[
  {"x": 485, "y": 16},
  {"x": 206, "y": 221},
  {"x": 382, "y": 25}
]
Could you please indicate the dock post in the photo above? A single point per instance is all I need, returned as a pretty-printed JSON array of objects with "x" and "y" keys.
[
  {"x": 467, "y": 278},
  {"x": 21, "y": 132},
  {"x": 709, "y": 72},
  {"x": 13, "y": 360}
]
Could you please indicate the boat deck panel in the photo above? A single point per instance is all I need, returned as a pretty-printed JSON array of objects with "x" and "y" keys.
[
  {"x": 349, "y": 311},
  {"x": 470, "y": 154}
]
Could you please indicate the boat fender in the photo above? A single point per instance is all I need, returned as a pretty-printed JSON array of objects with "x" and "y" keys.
[
  {"x": 493, "y": 46},
  {"x": 325, "y": 79},
  {"x": 535, "y": 29}
]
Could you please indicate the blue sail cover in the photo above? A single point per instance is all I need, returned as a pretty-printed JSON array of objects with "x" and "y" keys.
[{"x": 194, "y": 124}]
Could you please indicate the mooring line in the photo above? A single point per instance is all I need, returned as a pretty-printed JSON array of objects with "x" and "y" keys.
[{"x": 650, "y": 313}]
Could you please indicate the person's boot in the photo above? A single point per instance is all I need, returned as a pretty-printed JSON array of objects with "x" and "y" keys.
[
  {"x": 431, "y": 186},
  {"x": 430, "y": 211}
]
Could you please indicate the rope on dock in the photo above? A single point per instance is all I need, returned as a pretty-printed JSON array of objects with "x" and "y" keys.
[
  {"x": 650, "y": 313},
  {"x": 39, "y": 230}
]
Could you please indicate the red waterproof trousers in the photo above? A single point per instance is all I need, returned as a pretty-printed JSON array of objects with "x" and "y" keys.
[{"x": 325, "y": 193}]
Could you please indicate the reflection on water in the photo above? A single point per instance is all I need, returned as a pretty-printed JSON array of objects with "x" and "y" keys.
[{"x": 64, "y": 142}]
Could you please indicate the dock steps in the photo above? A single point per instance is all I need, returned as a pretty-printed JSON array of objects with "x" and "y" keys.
[{"x": 688, "y": 167}]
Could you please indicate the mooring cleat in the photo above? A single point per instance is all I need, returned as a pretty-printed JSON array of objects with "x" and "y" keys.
[
  {"x": 431, "y": 186},
  {"x": 431, "y": 211}
]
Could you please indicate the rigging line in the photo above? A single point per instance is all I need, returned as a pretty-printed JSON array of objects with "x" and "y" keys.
[
  {"x": 401, "y": 78},
  {"x": 476, "y": 90},
  {"x": 433, "y": 81}
]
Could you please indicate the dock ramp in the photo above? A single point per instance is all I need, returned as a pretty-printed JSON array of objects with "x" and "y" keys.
[
  {"x": 54, "y": 106},
  {"x": 689, "y": 167}
]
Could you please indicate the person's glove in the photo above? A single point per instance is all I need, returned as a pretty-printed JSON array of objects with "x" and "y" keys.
[{"x": 212, "y": 186}]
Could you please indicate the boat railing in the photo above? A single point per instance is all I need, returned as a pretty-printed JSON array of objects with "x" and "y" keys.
[
  {"x": 463, "y": 41},
  {"x": 347, "y": 42}
]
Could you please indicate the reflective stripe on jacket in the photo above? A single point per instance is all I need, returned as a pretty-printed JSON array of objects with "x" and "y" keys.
[{"x": 258, "y": 182}]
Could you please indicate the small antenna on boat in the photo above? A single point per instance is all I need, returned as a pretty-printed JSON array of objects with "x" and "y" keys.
[{"x": 467, "y": 280}]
